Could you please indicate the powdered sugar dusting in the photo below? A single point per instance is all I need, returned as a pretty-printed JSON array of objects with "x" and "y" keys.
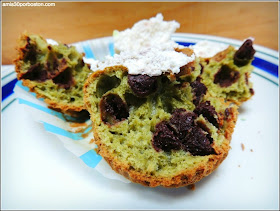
[
  {"x": 146, "y": 33},
  {"x": 150, "y": 61},
  {"x": 51, "y": 42},
  {"x": 207, "y": 49},
  {"x": 92, "y": 62}
]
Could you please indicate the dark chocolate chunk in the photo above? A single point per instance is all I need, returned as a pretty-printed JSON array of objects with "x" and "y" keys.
[
  {"x": 182, "y": 132},
  {"x": 113, "y": 109},
  {"x": 208, "y": 112},
  {"x": 165, "y": 139},
  {"x": 199, "y": 89},
  {"x": 252, "y": 91},
  {"x": 35, "y": 73},
  {"x": 52, "y": 68},
  {"x": 182, "y": 122},
  {"x": 55, "y": 67},
  {"x": 197, "y": 143},
  {"x": 204, "y": 127},
  {"x": 142, "y": 85},
  {"x": 29, "y": 51},
  {"x": 244, "y": 54},
  {"x": 226, "y": 76},
  {"x": 64, "y": 79}
]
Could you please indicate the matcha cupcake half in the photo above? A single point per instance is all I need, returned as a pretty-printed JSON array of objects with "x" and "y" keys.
[
  {"x": 227, "y": 73},
  {"x": 155, "y": 130},
  {"x": 55, "y": 73}
]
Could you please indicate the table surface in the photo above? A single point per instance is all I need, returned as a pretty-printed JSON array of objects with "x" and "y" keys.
[{"x": 70, "y": 22}]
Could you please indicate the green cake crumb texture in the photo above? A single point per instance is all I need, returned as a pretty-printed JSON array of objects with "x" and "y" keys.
[
  {"x": 219, "y": 84},
  {"x": 56, "y": 72},
  {"x": 130, "y": 139}
]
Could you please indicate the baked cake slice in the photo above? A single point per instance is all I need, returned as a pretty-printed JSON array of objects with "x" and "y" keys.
[
  {"x": 226, "y": 73},
  {"x": 55, "y": 73},
  {"x": 157, "y": 130}
]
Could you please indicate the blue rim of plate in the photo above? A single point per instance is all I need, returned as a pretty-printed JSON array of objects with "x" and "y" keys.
[{"x": 269, "y": 69}]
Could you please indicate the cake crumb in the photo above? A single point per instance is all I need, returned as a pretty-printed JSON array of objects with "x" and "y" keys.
[
  {"x": 242, "y": 146},
  {"x": 191, "y": 187}
]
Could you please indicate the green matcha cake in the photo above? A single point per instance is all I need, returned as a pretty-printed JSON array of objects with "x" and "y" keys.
[
  {"x": 55, "y": 73},
  {"x": 155, "y": 130},
  {"x": 227, "y": 73}
]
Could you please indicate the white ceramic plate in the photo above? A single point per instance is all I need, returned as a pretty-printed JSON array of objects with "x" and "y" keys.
[{"x": 37, "y": 172}]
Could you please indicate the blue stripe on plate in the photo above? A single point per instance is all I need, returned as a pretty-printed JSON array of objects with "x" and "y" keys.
[
  {"x": 59, "y": 131},
  {"x": 8, "y": 88},
  {"x": 88, "y": 52},
  {"x": 186, "y": 43},
  {"x": 257, "y": 62},
  {"x": 91, "y": 158},
  {"x": 266, "y": 66},
  {"x": 111, "y": 49}
]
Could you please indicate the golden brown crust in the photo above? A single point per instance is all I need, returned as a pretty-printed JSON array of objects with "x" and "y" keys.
[{"x": 183, "y": 178}]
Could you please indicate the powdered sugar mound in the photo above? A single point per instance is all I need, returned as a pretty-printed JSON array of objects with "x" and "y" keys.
[
  {"x": 207, "y": 49},
  {"x": 92, "y": 62},
  {"x": 51, "y": 42},
  {"x": 146, "y": 33},
  {"x": 150, "y": 61}
]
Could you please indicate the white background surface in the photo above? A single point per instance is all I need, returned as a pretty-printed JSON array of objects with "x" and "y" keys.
[{"x": 37, "y": 172}]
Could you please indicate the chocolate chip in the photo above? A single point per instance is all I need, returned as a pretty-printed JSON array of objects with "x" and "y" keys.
[
  {"x": 199, "y": 89},
  {"x": 64, "y": 79},
  {"x": 52, "y": 67},
  {"x": 29, "y": 51},
  {"x": 245, "y": 53},
  {"x": 165, "y": 139},
  {"x": 197, "y": 143},
  {"x": 208, "y": 112},
  {"x": 182, "y": 122},
  {"x": 226, "y": 76},
  {"x": 35, "y": 73},
  {"x": 142, "y": 85},
  {"x": 202, "y": 68},
  {"x": 182, "y": 132},
  {"x": 252, "y": 91},
  {"x": 113, "y": 109},
  {"x": 204, "y": 127}
]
